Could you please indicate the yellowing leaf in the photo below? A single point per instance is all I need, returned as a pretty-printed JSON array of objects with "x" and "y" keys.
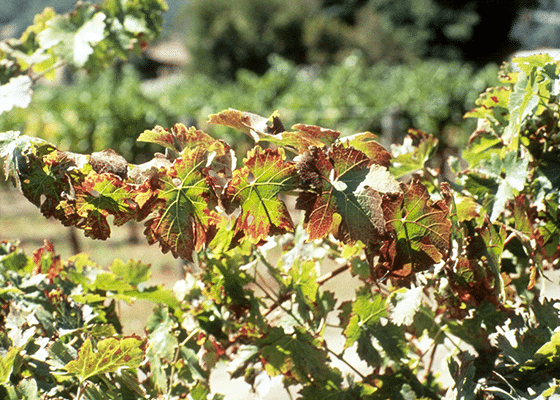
[
  {"x": 185, "y": 220},
  {"x": 255, "y": 188},
  {"x": 111, "y": 355}
]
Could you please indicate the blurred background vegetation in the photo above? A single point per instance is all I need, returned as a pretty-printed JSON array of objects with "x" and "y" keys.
[{"x": 350, "y": 65}]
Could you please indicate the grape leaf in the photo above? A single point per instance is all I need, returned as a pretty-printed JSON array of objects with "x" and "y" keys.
[
  {"x": 7, "y": 363},
  {"x": 131, "y": 272},
  {"x": 342, "y": 194},
  {"x": 303, "y": 136},
  {"x": 180, "y": 137},
  {"x": 73, "y": 37},
  {"x": 97, "y": 197},
  {"x": 15, "y": 93},
  {"x": 367, "y": 310},
  {"x": 297, "y": 356},
  {"x": 185, "y": 219},
  {"x": 255, "y": 188},
  {"x": 13, "y": 148},
  {"x": 251, "y": 124},
  {"x": 420, "y": 228},
  {"x": 416, "y": 150},
  {"x": 111, "y": 355},
  {"x": 44, "y": 175},
  {"x": 366, "y": 143}
]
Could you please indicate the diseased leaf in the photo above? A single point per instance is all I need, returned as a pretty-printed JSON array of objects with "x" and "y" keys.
[
  {"x": 303, "y": 136},
  {"x": 420, "y": 228},
  {"x": 111, "y": 355},
  {"x": 255, "y": 188},
  {"x": 251, "y": 124},
  {"x": 342, "y": 194},
  {"x": 366, "y": 142},
  {"x": 185, "y": 220},
  {"x": 95, "y": 198},
  {"x": 179, "y": 137}
]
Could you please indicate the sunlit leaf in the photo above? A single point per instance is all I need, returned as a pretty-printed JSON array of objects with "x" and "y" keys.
[
  {"x": 15, "y": 93},
  {"x": 255, "y": 188},
  {"x": 111, "y": 355},
  {"x": 416, "y": 150},
  {"x": 342, "y": 194},
  {"x": 252, "y": 124},
  {"x": 185, "y": 220},
  {"x": 367, "y": 310}
]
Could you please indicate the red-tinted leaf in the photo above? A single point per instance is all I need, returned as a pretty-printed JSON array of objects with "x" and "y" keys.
[
  {"x": 185, "y": 220},
  {"x": 95, "y": 198},
  {"x": 251, "y": 124},
  {"x": 44, "y": 179},
  {"x": 341, "y": 194},
  {"x": 255, "y": 188},
  {"x": 179, "y": 137},
  {"x": 303, "y": 137},
  {"x": 420, "y": 228},
  {"x": 366, "y": 143}
]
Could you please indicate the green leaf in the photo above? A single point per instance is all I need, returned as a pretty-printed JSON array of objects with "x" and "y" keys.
[
  {"x": 298, "y": 355},
  {"x": 75, "y": 37},
  {"x": 131, "y": 272},
  {"x": 510, "y": 173},
  {"x": 367, "y": 310},
  {"x": 416, "y": 150},
  {"x": 185, "y": 220},
  {"x": 161, "y": 341},
  {"x": 481, "y": 147},
  {"x": 7, "y": 364},
  {"x": 255, "y": 188},
  {"x": 111, "y": 355}
]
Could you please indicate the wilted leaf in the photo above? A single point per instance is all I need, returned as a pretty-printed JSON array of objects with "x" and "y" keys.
[
  {"x": 111, "y": 355},
  {"x": 255, "y": 188}
]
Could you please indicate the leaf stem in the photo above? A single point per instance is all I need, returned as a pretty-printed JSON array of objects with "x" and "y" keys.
[{"x": 341, "y": 358}]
